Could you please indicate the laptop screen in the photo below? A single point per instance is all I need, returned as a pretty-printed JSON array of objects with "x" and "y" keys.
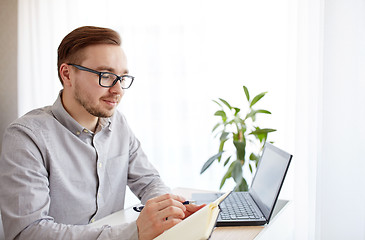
[{"x": 269, "y": 178}]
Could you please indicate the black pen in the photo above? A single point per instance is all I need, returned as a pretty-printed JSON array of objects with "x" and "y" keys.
[{"x": 139, "y": 209}]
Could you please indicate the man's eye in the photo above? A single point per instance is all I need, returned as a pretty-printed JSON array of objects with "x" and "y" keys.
[{"x": 108, "y": 76}]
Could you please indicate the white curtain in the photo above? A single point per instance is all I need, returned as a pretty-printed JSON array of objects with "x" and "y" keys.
[
  {"x": 329, "y": 193},
  {"x": 183, "y": 54},
  {"x": 342, "y": 166}
]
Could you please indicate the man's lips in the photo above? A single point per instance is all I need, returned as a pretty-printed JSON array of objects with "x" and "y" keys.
[{"x": 112, "y": 102}]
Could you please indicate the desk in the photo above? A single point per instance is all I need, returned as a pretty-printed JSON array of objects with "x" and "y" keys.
[{"x": 280, "y": 226}]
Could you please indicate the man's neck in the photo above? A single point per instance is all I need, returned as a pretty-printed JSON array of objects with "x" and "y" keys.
[{"x": 79, "y": 113}]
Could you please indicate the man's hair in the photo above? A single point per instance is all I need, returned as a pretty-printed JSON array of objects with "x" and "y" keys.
[{"x": 69, "y": 50}]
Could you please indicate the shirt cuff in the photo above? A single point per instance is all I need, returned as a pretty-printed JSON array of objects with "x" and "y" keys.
[{"x": 127, "y": 231}]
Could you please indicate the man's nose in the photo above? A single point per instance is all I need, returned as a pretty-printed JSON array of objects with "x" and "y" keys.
[{"x": 117, "y": 88}]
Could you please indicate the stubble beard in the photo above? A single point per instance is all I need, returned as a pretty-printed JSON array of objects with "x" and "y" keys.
[{"x": 91, "y": 108}]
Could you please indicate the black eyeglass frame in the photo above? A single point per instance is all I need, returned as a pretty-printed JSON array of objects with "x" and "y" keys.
[{"x": 118, "y": 78}]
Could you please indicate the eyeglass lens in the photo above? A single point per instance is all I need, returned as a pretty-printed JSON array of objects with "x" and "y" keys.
[{"x": 109, "y": 80}]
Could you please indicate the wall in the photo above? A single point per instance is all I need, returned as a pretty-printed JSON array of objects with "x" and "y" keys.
[
  {"x": 8, "y": 63},
  {"x": 8, "y": 68}
]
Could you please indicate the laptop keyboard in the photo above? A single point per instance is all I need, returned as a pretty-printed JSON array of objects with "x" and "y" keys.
[{"x": 238, "y": 206}]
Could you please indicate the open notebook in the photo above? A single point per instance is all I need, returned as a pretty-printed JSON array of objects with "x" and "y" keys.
[{"x": 198, "y": 226}]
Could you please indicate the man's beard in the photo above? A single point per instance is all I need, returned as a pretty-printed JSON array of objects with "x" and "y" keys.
[{"x": 91, "y": 108}]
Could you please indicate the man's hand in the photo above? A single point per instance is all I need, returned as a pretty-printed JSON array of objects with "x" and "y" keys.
[
  {"x": 192, "y": 208},
  {"x": 159, "y": 214}
]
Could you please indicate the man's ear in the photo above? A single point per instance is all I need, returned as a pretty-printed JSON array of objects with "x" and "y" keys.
[{"x": 65, "y": 73}]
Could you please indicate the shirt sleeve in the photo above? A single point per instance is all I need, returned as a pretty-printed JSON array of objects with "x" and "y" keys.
[
  {"x": 143, "y": 179},
  {"x": 50, "y": 230},
  {"x": 25, "y": 195}
]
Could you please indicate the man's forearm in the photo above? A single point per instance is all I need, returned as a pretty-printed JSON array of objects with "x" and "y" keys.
[{"x": 50, "y": 230}]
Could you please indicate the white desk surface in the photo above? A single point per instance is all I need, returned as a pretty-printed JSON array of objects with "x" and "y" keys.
[{"x": 280, "y": 226}]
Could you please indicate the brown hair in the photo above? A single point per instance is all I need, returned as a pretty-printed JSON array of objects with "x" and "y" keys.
[{"x": 69, "y": 49}]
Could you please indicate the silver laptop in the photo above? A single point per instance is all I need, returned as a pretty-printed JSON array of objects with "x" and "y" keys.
[{"x": 256, "y": 206}]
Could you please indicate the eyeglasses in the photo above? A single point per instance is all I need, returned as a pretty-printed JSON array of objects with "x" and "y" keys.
[{"x": 107, "y": 79}]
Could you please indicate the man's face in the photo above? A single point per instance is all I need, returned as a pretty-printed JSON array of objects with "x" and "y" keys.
[{"x": 100, "y": 101}]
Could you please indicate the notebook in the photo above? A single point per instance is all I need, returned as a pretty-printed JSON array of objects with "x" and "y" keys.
[
  {"x": 256, "y": 206},
  {"x": 198, "y": 226}
]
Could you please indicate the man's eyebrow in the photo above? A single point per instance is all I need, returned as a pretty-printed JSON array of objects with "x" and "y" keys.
[{"x": 109, "y": 69}]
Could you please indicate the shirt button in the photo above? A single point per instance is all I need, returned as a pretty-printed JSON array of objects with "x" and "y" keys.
[
  {"x": 100, "y": 165},
  {"x": 92, "y": 220},
  {"x": 78, "y": 133},
  {"x": 86, "y": 131}
]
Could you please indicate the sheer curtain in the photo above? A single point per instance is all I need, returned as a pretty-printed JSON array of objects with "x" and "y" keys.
[
  {"x": 183, "y": 54},
  {"x": 341, "y": 169},
  {"x": 329, "y": 165}
]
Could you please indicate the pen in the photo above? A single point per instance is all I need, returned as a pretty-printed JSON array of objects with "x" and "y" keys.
[{"x": 139, "y": 209}]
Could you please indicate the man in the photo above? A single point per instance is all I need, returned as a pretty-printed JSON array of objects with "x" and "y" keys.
[{"x": 67, "y": 165}]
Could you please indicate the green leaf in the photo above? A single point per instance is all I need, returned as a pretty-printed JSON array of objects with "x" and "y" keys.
[
  {"x": 262, "y": 137},
  {"x": 217, "y": 103},
  {"x": 224, "y": 136},
  {"x": 226, "y": 103},
  {"x": 253, "y": 118},
  {"x": 237, "y": 171},
  {"x": 210, "y": 161},
  {"x": 259, "y": 131},
  {"x": 227, "y": 175},
  {"x": 254, "y": 157},
  {"x": 242, "y": 187},
  {"x": 263, "y": 130},
  {"x": 230, "y": 122},
  {"x": 227, "y": 161},
  {"x": 251, "y": 115},
  {"x": 241, "y": 149},
  {"x": 263, "y": 111},
  {"x": 257, "y": 98},
  {"x": 261, "y": 134},
  {"x": 222, "y": 114},
  {"x": 246, "y": 93},
  {"x": 237, "y": 110},
  {"x": 216, "y": 126},
  {"x": 221, "y": 146}
]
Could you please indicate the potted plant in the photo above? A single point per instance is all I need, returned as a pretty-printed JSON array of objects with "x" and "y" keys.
[{"x": 240, "y": 130}]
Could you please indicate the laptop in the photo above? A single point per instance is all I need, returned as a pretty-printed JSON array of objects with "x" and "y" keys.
[{"x": 256, "y": 206}]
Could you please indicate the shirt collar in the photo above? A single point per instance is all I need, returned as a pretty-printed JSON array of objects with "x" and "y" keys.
[
  {"x": 103, "y": 123},
  {"x": 70, "y": 123}
]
